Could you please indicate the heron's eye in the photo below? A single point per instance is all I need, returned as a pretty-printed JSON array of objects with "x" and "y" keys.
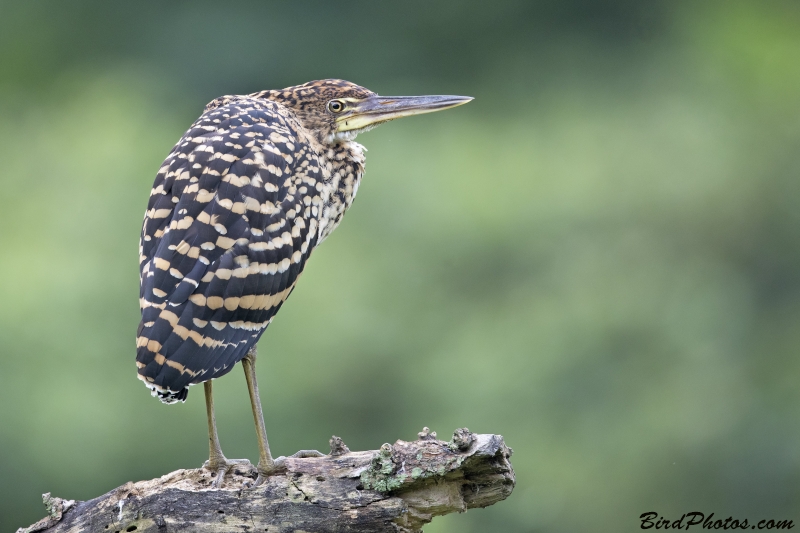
[{"x": 335, "y": 106}]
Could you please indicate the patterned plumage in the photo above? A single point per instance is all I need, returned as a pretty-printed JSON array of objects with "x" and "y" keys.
[
  {"x": 237, "y": 207},
  {"x": 235, "y": 212}
]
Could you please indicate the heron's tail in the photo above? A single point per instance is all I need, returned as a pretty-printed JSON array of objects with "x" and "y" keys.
[{"x": 165, "y": 395}]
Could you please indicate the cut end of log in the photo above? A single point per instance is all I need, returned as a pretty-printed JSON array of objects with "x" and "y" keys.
[{"x": 400, "y": 487}]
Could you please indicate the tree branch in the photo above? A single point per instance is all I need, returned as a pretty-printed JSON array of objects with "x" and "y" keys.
[{"x": 398, "y": 488}]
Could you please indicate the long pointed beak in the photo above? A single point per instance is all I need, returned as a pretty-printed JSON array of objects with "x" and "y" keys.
[{"x": 377, "y": 109}]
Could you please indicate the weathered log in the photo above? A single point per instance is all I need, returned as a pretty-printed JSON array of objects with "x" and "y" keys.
[{"x": 398, "y": 488}]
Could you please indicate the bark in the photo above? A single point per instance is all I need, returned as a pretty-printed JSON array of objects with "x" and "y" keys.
[{"x": 397, "y": 489}]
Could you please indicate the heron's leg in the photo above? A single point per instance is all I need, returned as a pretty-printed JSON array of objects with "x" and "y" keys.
[
  {"x": 266, "y": 465},
  {"x": 216, "y": 459},
  {"x": 215, "y": 455}
]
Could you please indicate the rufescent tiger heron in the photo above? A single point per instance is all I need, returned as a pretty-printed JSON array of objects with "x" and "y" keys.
[{"x": 239, "y": 204}]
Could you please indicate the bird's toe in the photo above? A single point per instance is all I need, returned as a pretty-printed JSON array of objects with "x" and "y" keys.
[{"x": 220, "y": 468}]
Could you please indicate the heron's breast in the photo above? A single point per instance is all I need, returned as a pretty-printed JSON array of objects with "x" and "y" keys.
[{"x": 346, "y": 170}]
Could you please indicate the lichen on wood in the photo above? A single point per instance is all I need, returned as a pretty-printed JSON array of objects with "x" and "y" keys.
[{"x": 398, "y": 488}]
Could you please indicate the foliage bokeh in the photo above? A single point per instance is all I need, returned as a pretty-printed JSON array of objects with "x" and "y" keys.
[{"x": 597, "y": 258}]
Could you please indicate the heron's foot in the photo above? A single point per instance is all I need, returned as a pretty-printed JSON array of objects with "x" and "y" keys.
[
  {"x": 220, "y": 467},
  {"x": 279, "y": 465}
]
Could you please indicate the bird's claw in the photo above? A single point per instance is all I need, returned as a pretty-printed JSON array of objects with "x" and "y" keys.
[
  {"x": 279, "y": 465},
  {"x": 221, "y": 467},
  {"x": 303, "y": 454}
]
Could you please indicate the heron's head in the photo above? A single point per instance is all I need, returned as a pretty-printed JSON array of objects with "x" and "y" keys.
[{"x": 337, "y": 110}]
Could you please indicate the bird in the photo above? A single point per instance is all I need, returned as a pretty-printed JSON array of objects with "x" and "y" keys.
[{"x": 236, "y": 209}]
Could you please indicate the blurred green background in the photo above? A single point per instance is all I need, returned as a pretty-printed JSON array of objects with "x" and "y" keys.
[{"x": 598, "y": 258}]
